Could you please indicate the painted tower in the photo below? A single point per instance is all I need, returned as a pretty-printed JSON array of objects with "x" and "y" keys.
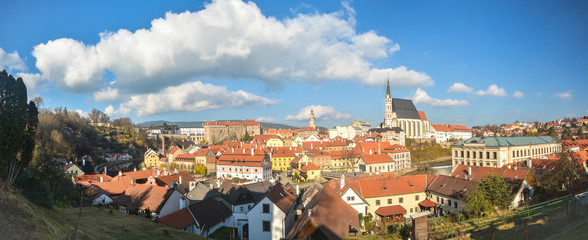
[
  {"x": 388, "y": 105},
  {"x": 312, "y": 121}
]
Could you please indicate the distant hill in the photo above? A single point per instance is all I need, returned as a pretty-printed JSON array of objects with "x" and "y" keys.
[{"x": 264, "y": 125}]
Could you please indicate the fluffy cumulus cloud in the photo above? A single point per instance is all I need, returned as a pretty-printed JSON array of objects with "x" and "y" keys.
[
  {"x": 564, "y": 95},
  {"x": 192, "y": 96},
  {"x": 518, "y": 94},
  {"x": 493, "y": 90},
  {"x": 228, "y": 38},
  {"x": 11, "y": 61},
  {"x": 320, "y": 112},
  {"x": 33, "y": 81},
  {"x": 107, "y": 95},
  {"x": 460, "y": 87},
  {"x": 422, "y": 97},
  {"x": 265, "y": 119}
]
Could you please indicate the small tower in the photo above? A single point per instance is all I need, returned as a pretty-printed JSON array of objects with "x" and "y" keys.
[
  {"x": 388, "y": 106},
  {"x": 312, "y": 121}
]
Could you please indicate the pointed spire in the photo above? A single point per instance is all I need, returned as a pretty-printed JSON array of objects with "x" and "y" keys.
[{"x": 388, "y": 86}]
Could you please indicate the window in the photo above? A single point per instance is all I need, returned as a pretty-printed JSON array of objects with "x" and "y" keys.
[
  {"x": 389, "y": 200},
  {"x": 437, "y": 199},
  {"x": 495, "y": 155},
  {"x": 442, "y": 201},
  {"x": 241, "y": 208},
  {"x": 352, "y": 198},
  {"x": 266, "y": 226},
  {"x": 416, "y": 198},
  {"x": 411, "y": 210},
  {"x": 266, "y": 208},
  {"x": 449, "y": 202},
  {"x": 455, "y": 203},
  {"x": 400, "y": 200},
  {"x": 377, "y": 202}
]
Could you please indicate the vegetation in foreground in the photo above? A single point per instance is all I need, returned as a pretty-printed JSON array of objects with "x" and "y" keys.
[{"x": 20, "y": 219}]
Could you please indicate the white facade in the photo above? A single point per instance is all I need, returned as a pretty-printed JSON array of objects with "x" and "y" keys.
[
  {"x": 102, "y": 199},
  {"x": 175, "y": 202},
  {"x": 197, "y": 131},
  {"x": 279, "y": 221},
  {"x": 354, "y": 200}
]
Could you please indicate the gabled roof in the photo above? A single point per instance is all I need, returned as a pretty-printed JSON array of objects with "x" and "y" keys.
[
  {"x": 479, "y": 172},
  {"x": 386, "y": 184},
  {"x": 87, "y": 180},
  {"x": 178, "y": 219},
  {"x": 169, "y": 179},
  {"x": 422, "y": 115},
  {"x": 454, "y": 187},
  {"x": 141, "y": 196},
  {"x": 376, "y": 158},
  {"x": 283, "y": 199},
  {"x": 201, "y": 191},
  {"x": 209, "y": 213},
  {"x": 390, "y": 210},
  {"x": 308, "y": 166},
  {"x": 328, "y": 213}
]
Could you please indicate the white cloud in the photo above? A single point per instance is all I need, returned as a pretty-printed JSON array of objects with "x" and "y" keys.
[
  {"x": 192, "y": 96},
  {"x": 564, "y": 96},
  {"x": 81, "y": 113},
  {"x": 460, "y": 87},
  {"x": 107, "y": 95},
  {"x": 228, "y": 38},
  {"x": 265, "y": 119},
  {"x": 33, "y": 81},
  {"x": 11, "y": 61},
  {"x": 421, "y": 97},
  {"x": 120, "y": 112},
  {"x": 320, "y": 112},
  {"x": 493, "y": 90},
  {"x": 518, "y": 94}
]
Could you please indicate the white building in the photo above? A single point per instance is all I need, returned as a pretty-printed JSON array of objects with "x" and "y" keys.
[
  {"x": 443, "y": 132},
  {"x": 273, "y": 216},
  {"x": 245, "y": 164}
]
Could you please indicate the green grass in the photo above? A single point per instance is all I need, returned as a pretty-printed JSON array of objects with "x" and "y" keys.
[{"x": 20, "y": 219}]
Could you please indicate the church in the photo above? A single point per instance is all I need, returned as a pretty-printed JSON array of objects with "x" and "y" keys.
[{"x": 403, "y": 114}]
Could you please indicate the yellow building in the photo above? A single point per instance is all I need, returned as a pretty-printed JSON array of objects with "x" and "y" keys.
[
  {"x": 73, "y": 169},
  {"x": 308, "y": 172},
  {"x": 274, "y": 142},
  {"x": 282, "y": 157},
  {"x": 151, "y": 159}
]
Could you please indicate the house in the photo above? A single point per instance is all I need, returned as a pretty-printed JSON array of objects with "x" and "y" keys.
[
  {"x": 98, "y": 196},
  {"x": 202, "y": 155},
  {"x": 326, "y": 216},
  {"x": 282, "y": 156},
  {"x": 201, "y": 192},
  {"x": 151, "y": 158},
  {"x": 376, "y": 163},
  {"x": 448, "y": 194},
  {"x": 160, "y": 201},
  {"x": 72, "y": 169},
  {"x": 202, "y": 218},
  {"x": 520, "y": 179},
  {"x": 245, "y": 164},
  {"x": 384, "y": 190},
  {"x": 308, "y": 171},
  {"x": 272, "y": 216}
]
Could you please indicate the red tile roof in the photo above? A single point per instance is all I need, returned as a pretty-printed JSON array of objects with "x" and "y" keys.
[
  {"x": 141, "y": 196},
  {"x": 391, "y": 210},
  {"x": 376, "y": 158},
  {"x": 387, "y": 184},
  {"x": 178, "y": 220},
  {"x": 282, "y": 198},
  {"x": 169, "y": 179},
  {"x": 308, "y": 166},
  {"x": 427, "y": 203},
  {"x": 422, "y": 115},
  {"x": 86, "y": 180}
]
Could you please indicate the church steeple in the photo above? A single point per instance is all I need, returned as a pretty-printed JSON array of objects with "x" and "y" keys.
[
  {"x": 312, "y": 121},
  {"x": 388, "y": 89},
  {"x": 388, "y": 114}
]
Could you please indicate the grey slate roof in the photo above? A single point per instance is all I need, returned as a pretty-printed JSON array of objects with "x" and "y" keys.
[
  {"x": 404, "y": 108},
  {"x": 509, "y": 141},
  {"x": 202, "y": 192},
  {"x": 209, "y": 213},
  {"x": 386, "y": 129}
]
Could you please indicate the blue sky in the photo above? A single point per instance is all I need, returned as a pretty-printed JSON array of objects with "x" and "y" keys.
[{"x": 462, "y": 62}]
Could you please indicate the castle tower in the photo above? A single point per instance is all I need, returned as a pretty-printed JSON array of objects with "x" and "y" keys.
[
  {"x": 312, "y": 121},
  {"x": 388, "y": 106}
]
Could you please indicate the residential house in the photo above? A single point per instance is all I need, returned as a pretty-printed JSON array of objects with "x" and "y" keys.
[
  {"x": 72, "y": 169},
  {"x": 160, "y": 201},
  {"x": 272, "y": 216},
  {"x": 308, "y": 171},
  {"x": 246, "y": 164},
  {"x": 202, "y": 218},
  {"x": 151, "y": 158}
]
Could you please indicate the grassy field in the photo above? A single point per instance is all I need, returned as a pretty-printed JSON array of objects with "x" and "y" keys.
[{"x": 20, "y": 219}]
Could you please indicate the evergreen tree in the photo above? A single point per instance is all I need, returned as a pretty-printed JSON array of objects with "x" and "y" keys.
[{"x": 18, "y": 125}]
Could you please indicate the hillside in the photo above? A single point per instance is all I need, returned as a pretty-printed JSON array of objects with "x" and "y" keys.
[
  {"x": 20, "y": 219},
  {"x": 264, "y": 125}
]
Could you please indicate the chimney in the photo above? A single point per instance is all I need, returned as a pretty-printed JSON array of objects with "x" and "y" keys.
[
  {"x": 379, "y": 149},
  {"x": 134, "y": 169},
  {"x": 176, "y": 171},
  {"x": 515, "y": 167},
  {"x": 297, "y": 190},
  {"x": 133, "y": 181},
  {"x": 252, "y": 152},
  {"x": 180, "y": 179},
  {"x": 144, "y": 168},
  {"x": 120, "y": 173},
  {"x": 342, "y": 182},
  {"x": 310, "y": 145},
  {"x": 509, "y": 166},
  {"x": 101, "y": 179},
  {"x": 470, "y": 171},
  {"x": 84, "y": 162},
  {"x": 105, "y": 169},
  {"x": 158, "y": 172},
  {"x": 529, "y": 163},
  {"x": 370, "y": 151}
]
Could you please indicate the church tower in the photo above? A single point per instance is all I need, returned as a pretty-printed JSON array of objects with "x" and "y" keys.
[
  {"x": 312, "y": 121},
  {"x": 388, "y": 105}
]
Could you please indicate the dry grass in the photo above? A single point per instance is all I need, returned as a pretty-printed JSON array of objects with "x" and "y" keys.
[{"x": 20, "y": 219}]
